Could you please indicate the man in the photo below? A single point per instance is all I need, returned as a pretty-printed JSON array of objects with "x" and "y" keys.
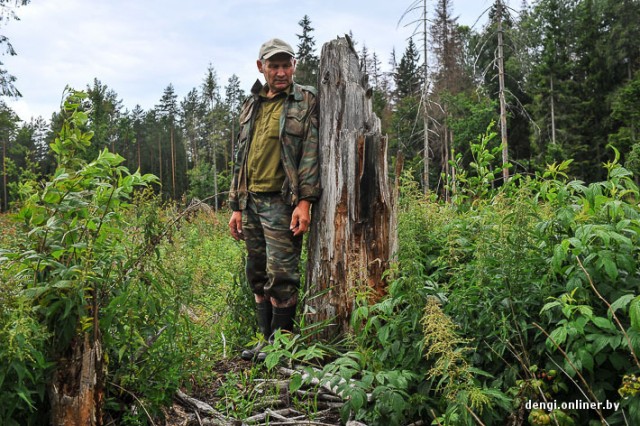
[{"x": 275, "y": 181}]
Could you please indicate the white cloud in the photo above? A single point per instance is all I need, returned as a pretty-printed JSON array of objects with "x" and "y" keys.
[{"x": 138, "y": 47}]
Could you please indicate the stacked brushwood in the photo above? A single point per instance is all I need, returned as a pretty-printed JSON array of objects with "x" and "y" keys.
[{"x": 271, "y": 410}]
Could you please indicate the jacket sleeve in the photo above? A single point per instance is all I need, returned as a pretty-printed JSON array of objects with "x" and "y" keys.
[
  {"x": 239, "y": 155},
  {"x": 309, "y": 165}
]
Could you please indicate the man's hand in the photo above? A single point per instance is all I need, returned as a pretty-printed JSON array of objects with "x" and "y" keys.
[
  {"x": 300, "y": 219},
  {"x": 235, "y": 225}
]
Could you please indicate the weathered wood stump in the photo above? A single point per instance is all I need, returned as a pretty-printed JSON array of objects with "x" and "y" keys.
[
  {"x": 351, "y": 236},
  {"x": 76, "y": 390}
]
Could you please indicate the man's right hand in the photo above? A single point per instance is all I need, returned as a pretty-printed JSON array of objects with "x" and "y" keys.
[{"x": 235, "y": 225}]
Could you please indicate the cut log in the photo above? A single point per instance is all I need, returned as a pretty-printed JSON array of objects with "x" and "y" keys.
[{"x": 351, "y": 235}]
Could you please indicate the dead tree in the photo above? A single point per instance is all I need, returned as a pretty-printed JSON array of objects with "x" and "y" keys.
[{"x": 352, "y": 232}]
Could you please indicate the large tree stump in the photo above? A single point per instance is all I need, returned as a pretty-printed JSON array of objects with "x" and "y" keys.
[{"x": 352, "y": 235}]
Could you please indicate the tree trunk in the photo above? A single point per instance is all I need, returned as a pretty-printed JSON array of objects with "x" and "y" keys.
[
  {"x": 425, "y": 100},
  {"x": 160, "y": 159},
  {"x": 76, "y": 392},
  {"x": 503, "y": 103},
  {"x": 5, "y": 202},
  {"x": 351, "y": 235},
  {"x": 173, "y": 164},
  {"x": 553, "y": 115}
]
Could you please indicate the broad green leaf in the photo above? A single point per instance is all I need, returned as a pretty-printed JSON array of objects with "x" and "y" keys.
[
  {"x": 295, "y": 383},
  {"x": 559, "y": 335},
  {"x": 550, "y": 305},
  {"x": 634, "y": 313},
  {"x": 610, "y": 268},
  {"x": 615, "y": 342},
  {"x": 603, "y": 323},
  {"x": 599, "y": 342},
  {"x": 585, "y": 310},
  {"x": 51, "y": 197},
  {"x": 357, "y": 399},
  {"x": 271, "y": 360},
  {"x": 621, "y": 302},
  {"x": 586, "y": 359},
  {"x": 559, "y": 256}
]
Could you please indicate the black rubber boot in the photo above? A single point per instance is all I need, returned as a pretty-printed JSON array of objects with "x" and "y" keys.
[
  {"x": 264, "y": 313},
  {"x": 283, "y": 318}
]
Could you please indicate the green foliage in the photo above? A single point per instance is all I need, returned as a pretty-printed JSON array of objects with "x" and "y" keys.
[
  {"x": 477, "y": 182},
  {"x": 23, "y": 371},
  {"x": 537, "y": 251},
  {"x": 93, "y": 261},
  {"x": 238, "y": 393},
  {"x": 201, "y": 182},
  {"x": 525, "y": 292},
  {"x": 74, "y": 232},
  {"x": 71, "y": 259}
]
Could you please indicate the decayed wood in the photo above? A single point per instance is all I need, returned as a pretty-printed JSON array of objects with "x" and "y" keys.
[
  {"x": 76, "y": 390},
  {"x": 351, "y": 234}
]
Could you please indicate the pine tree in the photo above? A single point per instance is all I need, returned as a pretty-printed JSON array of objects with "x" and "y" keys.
[
  {"x": 622, "y": 18},
  {"x": 485, "y": 46},
  {"x": 234, "y": 96},
  {"x": 168, "y": 109},
  {"x": 550, "y": 81},
  {"x": 447, "y": 48},
  {"x": 139, "y": 136},
  {"x": 406, "y": 124},
  {"x": 407, "y": 77},
  {"x": 7, "y": 86},
  {"x": 104, "y": 112},
  {"x": 192, "y": 111},
  {"x": 307, "y": 60},
  {"x": 211, "y": 95},
  {"x": 8, "y": 127}
]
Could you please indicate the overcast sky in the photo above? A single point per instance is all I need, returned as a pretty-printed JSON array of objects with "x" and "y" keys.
[{"x": 138, "y": 47}]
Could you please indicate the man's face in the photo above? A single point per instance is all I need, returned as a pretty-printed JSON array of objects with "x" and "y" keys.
[{"x": 278, "y": 72}]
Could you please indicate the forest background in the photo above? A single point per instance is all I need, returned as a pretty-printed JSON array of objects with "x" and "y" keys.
[{"x": 537, "y": 273}]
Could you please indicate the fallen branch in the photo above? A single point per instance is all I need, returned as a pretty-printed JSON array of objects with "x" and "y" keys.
[{"x": 216, "y": 418}]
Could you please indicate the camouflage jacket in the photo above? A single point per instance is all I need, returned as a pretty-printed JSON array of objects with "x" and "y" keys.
[{"x": 299, "y": 140}]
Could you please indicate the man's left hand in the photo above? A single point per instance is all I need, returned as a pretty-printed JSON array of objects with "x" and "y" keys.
[{"x": 300, "y": 219}]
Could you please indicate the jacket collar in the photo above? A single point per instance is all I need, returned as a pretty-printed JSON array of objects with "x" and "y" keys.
[{"x": 296, "y": 90}]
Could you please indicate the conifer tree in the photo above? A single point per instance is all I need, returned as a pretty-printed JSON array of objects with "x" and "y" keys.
[
  {"x": 139, "y": 135},
  {"x": 192, "y": 112},
  {"x": 8, "y": 126},
  {"x": 307, "y": 60},
  {"x": 408, "y": 77},
  {"x": 406, "y": 124},
  {"x": 7, "y": 86},
  {"x": 104, "y": 109},
  {"x": 168, "y": 109},
  {"x": 211, "y": 95},
  {"x": 550, "y": 80},
  {"x": 234, "y": 96}
]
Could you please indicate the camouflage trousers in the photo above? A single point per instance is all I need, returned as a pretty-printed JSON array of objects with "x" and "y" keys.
[{"x": 273, "y": 253}]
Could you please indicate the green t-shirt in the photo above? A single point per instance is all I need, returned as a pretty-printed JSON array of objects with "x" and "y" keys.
[{"x": 264, "y": 167}]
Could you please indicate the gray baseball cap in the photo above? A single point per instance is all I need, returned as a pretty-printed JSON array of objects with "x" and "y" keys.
[{"x": 273, "y": 47}]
